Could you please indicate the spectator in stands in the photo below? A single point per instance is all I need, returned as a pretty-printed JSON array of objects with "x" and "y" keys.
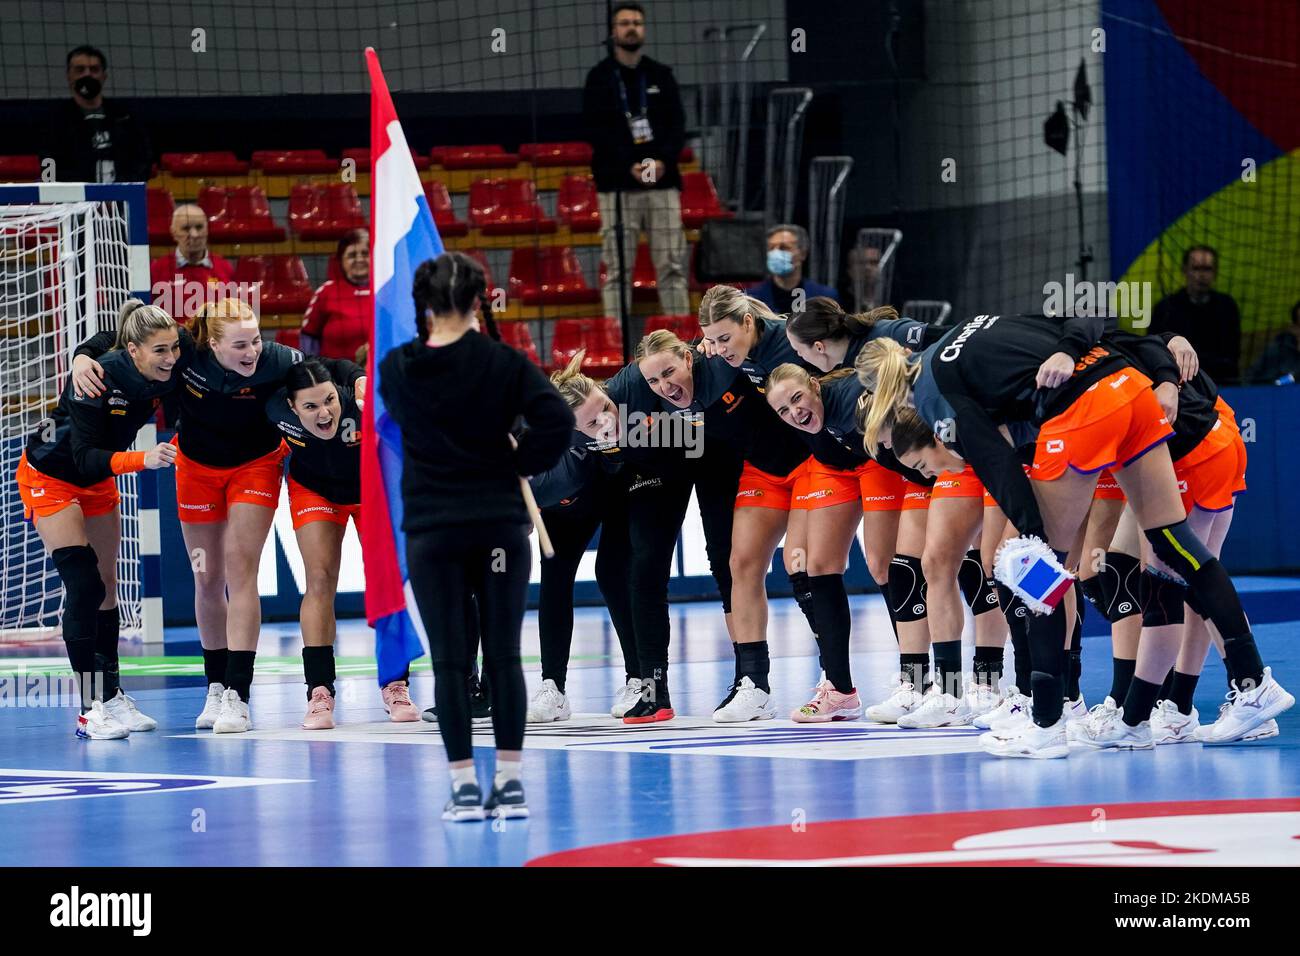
[
  {"x": 863, "y": 266},
  {"x": 633, "y": 113},
  {"x": 172, "y": 276},
  {"x": 1281, "y": 357},
  {"x": 1208, "y": 319},
  {"x": 93, "y": 140},
  {"x": 786, "y": 288},
  {"x": 337, "y": 321}
]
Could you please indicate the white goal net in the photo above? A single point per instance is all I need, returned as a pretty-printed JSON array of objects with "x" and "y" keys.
[{"x": 65, "y": 269}]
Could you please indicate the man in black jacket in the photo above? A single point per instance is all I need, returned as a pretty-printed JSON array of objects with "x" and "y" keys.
[
  {"x": 93, "y": 140},
  {"x": 1209, "y": 319},
  {"x": 633, "y": 112}
]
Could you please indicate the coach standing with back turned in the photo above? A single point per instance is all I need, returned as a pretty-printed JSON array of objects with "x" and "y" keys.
[{"x": 635, "y": 123}]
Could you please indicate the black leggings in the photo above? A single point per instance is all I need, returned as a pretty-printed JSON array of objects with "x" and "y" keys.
[
  {"x": 446, "y": 567},
  {"x": 656, "y": 509},
  {"x": 603, "y": 505}
]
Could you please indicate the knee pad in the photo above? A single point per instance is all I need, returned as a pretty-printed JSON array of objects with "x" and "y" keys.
[
  {"x": 1095, "y": 593},
  {"x": 1195, "y": 604},
  {"x": 979, "y": 591},
  {"x": 83, "y": 589},
  {"x": 1179, "y": 548},
  {"x": 1120, "y": 583},
  {"x": 1162, "y": 599},
  {"x": 907, "y": 588}
]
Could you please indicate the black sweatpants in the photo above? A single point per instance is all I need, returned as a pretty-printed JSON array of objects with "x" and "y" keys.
[
  {"x": 446, "y": 567},
  {"x": 603, "y": 506}
]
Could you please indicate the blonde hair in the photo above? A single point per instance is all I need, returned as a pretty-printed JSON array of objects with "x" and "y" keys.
[
  {"x": 661, "y": 340},
  {"x": 884, "y": 369},
  {"x": 574, "y": 387},
  {"x": 723, "y": 302},
  {"x": 790, "y": 372},
  {"x": 210, "y": 324},
  {"x": 137, "y": 323}
]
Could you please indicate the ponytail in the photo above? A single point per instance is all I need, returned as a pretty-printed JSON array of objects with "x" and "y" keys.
[
  {"x": 823, "y": 319},
  {"x": 445, "y": 285},
  {"x": 573, "y": 386},
  {"x": 885, "y": 370},
  {"x": 722, "y": 302},
  {"x": 137, "y": 322},
  {"x": 210, "y": 324}
]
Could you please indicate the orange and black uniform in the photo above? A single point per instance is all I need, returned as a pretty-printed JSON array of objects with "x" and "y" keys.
[{"x": 324, "y": 474}]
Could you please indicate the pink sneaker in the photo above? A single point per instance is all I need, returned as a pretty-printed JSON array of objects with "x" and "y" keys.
[
  {"x": 397, "y": 701},
  {"x": 320, "y": 710},
  {"x": 828, "y": 704}
]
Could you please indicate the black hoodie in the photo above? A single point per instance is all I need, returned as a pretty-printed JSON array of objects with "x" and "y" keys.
[{"x": 456, "y": 405}]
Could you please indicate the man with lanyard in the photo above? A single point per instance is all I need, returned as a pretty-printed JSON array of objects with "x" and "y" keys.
[{"x": 633, "y": 112}]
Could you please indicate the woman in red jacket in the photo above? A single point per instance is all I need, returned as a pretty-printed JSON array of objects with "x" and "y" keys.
[{"x": 338, "y": 316}]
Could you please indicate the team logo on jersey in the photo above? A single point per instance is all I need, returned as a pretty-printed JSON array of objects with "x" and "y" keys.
[
  {"x": 1182, "y": 487},
  {"x": 115, "y": 400},
  {"x": 914, "y": 336},
  {"x": 1055, "y": 446},
  {"x": 1174, "y": 834}
]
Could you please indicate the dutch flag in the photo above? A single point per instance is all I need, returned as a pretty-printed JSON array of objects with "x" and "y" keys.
[{"x": 402, "y": 237}]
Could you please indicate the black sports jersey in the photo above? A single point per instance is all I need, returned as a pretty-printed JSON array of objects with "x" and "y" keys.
[
  {"x": 330, "y": 467},
  {"x": 1197, "y": 415},
  {"x": 84, "y": 432},
  {"x": 223, "y": 420},
  {"x": 572, "y": 476}
]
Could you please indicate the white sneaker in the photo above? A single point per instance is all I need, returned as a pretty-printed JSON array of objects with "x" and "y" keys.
[
  {"x": 1101, "y": 712},
  {"x": 981, "y": 699},
  {"x": 937, "y": 710},
  {"x": 1014, "y": 705},
  {"x": 549, "y": 705},
  {"x": 211, "y": 708},
  {"x": 1075, "y": 709},
  {"x": 1247, "y": 711},
  {"x": 234, "y": 717},
  {"x": 1170, "y": 726},
  {"x": 626, "y": 698},
  {"x": 1109, "y": 732},
  {"x": 750, "y": 703},
  {"x": 124, "y": 710},
  {"x": 98, "y": 724},
  {"x": 902, "y": 700},
  {"x": 1027, "y": 740}
]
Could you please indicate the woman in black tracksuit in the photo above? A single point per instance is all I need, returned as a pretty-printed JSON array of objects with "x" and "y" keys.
[{"x": 456, "y": 395}]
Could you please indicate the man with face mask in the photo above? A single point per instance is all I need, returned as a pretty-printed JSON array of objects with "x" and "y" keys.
[
  {"x": 786, "y": 288},
  {"x": 93, "y": 140}
]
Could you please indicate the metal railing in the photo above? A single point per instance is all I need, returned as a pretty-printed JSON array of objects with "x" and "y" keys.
[
  {"x": 871, "y": 266},
  {"x": 826, "y": 201}
]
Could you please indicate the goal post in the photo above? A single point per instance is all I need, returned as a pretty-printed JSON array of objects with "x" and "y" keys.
[{"x": 70, "y": 254}]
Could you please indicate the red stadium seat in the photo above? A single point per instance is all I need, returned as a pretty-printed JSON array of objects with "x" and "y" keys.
[
  {"x": 686, "y": 327},
  {"x": 324, "y": 212},
  {"x": 577, "y": 205},
  {"x": 502, "y": 207},
  {"x": 159, "y": 206},
  {"x": 478, "y": 256},
  {"x": 20, "y": 169},
  {"x": 239, "y": 214},
  {"x": 487, "y": 156},
  {"x": 644, "y": 285},
  {"x": 285, "y": 286},
  {"x": 516, "y": 335},
  {"x": 444, "y": 216},
  {"x": 221, "y": 163},
  {"x": 290, "y": 337},
  {"x": 687, "y": 155},
  {"x": 294, "y": 161},
  {"x": 700, "y": 201},
  {"x": 362, "y": 156},
  {"x": 549, "y": 275},
  {"x": 556, "y": 154},
  {"x": 602, "y": 339}
]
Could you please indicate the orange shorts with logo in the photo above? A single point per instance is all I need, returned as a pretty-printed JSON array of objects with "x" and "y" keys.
[
  {"x": 758, "y": 489},
  {"x": 307, "y": 506},
  {"x": 1112, "y": 424},
  {"x": 43, "y": 496},
  {"x": 878, "y": 488},
  {"x": 1212, "y": 473},
  {"x": 1108, "y": 488},
  {"x": 204, "y": 494},
  {"x": 960, "y": 484},
  {"x": 915, "y": 497}
]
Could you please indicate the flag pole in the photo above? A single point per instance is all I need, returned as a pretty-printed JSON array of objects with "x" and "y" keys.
[{"x": 530, "y": 502}]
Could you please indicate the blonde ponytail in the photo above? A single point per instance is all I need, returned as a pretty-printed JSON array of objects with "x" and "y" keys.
[
  {"x": 137, "y": 323},
  {"x": 884, "y": 369},
  {"x": 573, "y": 386},
  {"x": 210, "y": 324}
]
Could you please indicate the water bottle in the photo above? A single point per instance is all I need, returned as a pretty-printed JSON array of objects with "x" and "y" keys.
[{"x": 1287, "y": 379}]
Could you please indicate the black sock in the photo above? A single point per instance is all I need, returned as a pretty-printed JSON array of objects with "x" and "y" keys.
[
  {"x": 988, "y": 666},
  {"x": 735, "y": 649},
  {"x": 947, "y": 664},
  {"x": 1074, "y": 659},
  {"x": 1121, "y": 676},
  {"x": 1247, "y": 668},
  {"x": 1182, "y": 691},
  {"x": 239, "y": 672},
  {"x": 215, "y": 665},
  {"x": 830, "y": 605},
  {"x": 915, "y": 669},
  {"x": 1166, "y": 687},
  {"x": 1018, "y": 624},
  {"x": 108, "y": 625},
  {"x": 655, "y": 687},
  {"x": 754, "y": 664},
  {"x": 1045, "y": 689},
  {"x": 81, "y": 657},
  {"x": 1227, "y": 670},
  {"x": 318, "y": 668},
  {"x": 1142, "y": 696},
  {"x": 1047, "y": 651}
]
